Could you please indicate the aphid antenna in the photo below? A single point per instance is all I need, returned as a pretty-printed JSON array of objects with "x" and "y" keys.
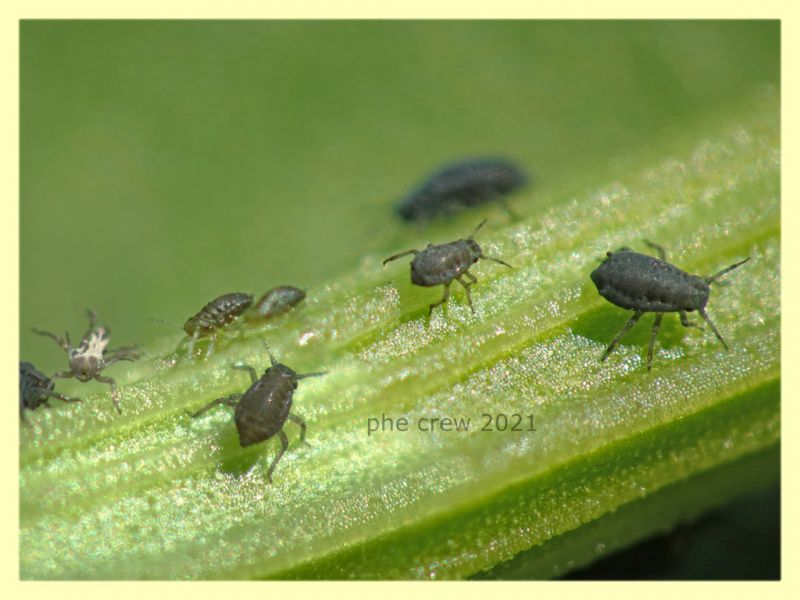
[
  {"x": 307, "y": 375},
  {"x": 497, "y": 260},
  {"x": 165, "y": 322},
  {"x": 299, "y": 375},
  {"x": 477, "y": 229},
  {"x": 662, "y": 254},
  {"x": 271, "y": 357},
  {"x": 726, "y": 270},
  {"x": 400, "y": 255}
]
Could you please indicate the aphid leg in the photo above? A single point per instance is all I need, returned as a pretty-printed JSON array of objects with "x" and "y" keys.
[
  {"x": 231, "y": 400},
  {"x": 63, "y": 343},
  {"x": 62, "y": 397},
  {"x": 513, "y": 215},
  {"x": 653, "y": 334},
  {"x": 92, "y": 323},
  {"x": 114, "y": 390},
  {"x": 180, "y": 345},
  {"x": 466, "y": 290},
  {"x": 192, "y": 342},
  {"x": 284, "y": 446},
  {"x": 401, "y": 255},
  {"x": 302, "y": 424},
  {"x": 239, "y": 330},
  {"x": 686, "y": 322},
  {"x": 248, "y": 368},
  {"x": 130, "y": 353},
  {"x": 212, "y": 339},
  {"x": 662, "y": 254},
  {"x": 636, "y": 316},
  {"x": 61, "y": 375},
  {"x": 443, "y": 300},
  {"x": 713, "y": 328}
]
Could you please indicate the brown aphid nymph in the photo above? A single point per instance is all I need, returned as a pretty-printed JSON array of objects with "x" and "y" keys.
[
  {"x": 213, "y": 317},
  {"x": 440, "y": 264},
  {"x": 262, "y": 410},
  {"x": 275, "y": 302}
]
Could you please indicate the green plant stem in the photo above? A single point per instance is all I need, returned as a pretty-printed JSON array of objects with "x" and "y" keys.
[{"x": 153, "y": 494}]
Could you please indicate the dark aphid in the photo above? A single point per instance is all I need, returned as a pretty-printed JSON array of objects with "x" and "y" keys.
[
  {"x": 460, "y": 185},
  {"x": 263, "y": 409},
  {"x": 91, "y": 357},
  {"x": 440, "y": 264},
  {"x": 643, "y": 284},
  {"x": 35, "y": 389},
  {"x": 210, "y": 319},
  {"x": 275, "y": 302}
]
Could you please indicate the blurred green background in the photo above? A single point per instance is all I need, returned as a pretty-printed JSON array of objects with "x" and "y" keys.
[{"x": 165, "y": 163}]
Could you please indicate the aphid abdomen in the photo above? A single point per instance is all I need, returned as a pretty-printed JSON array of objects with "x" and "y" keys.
[
  {"x": 31, "y": 384},
  {"x": 218, "y": 313},
  {"x": 644, "y": 283},
  {"x": 439, "y": 264},
  {"x": 264, "y": 407},
  {"x": 35, "y": 388},
  {"x": 461, "y": 185},
  {"x": 275, "y": 302},
  {"x": 477, "y": 181}
]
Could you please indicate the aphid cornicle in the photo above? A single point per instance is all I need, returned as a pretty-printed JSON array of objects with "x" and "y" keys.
[
  {"x": 275, "y": 302},
  {"x": 643, "y": 283},
  {"x": 90, "y": 358},
  {"x": 35, "y": 389},
  {"x": 210, "y": 319},
  {"x": 440, "y": 264},
  {"x": 461, "y": 185},
  {"x": 262, "y": 410}
]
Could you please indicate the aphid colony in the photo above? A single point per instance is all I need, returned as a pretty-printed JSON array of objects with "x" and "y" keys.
[
  {"x": 87, "y": 360},
  {"x": 260, "y": 412},
  {"x": 626, "y": 278}
]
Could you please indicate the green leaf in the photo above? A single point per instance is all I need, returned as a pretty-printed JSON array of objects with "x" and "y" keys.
[{"x": 153, "y": 494}]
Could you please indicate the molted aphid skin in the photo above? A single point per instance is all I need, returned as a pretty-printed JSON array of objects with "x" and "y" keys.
[
  {"x": 215, "y": 315},
  {"x": 275, "y": 302},
  {"x": 440, "y": 264},
  {"x": 263, "y": 409},
  {"x": 644, "y": 283},
  {"x": 87, "y": 360},
  {"x": 35, "y": 389},
  {"x": 461, "y": 185}
]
